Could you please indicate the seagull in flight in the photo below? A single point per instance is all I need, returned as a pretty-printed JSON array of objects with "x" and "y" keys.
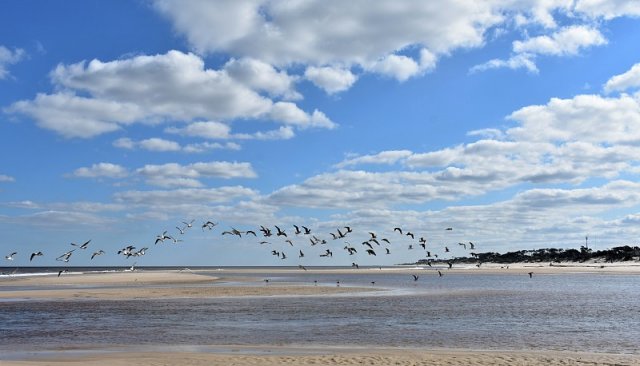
[
  {"x": 10, "y": 256},
  {"x": 82, "y": 246},
  {"x": 65, "y": 257},
  {"x": 188, "y": 224},
  {"x": 62, "y": 271},
  {"x": 35, "y": 254},
  {"x": 99, "y": 252},
  {"x": 415, "y": 277}
]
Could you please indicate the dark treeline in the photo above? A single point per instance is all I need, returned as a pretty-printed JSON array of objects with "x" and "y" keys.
[{"x": 616, "y": 254}]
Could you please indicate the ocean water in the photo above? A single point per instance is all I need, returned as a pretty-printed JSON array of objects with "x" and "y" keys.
[{"x": 574, "y": 312}]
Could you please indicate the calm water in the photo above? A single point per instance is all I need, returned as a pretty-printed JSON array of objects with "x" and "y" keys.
[{"x": 580, "y": 312}]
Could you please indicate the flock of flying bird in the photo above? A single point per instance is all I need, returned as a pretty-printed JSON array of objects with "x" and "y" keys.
[{"x": 374, "y": 244}]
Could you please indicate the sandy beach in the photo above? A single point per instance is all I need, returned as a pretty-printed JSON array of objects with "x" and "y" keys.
[
  {"x": 183, "y": 284},
  {"x": 248, "y": 356}
]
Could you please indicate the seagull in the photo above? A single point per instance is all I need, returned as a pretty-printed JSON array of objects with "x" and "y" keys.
[
  {"x": 189, "y": 224},
  {"x": 371, "y": 252},
  {"x": 280, "y": 231},
  {"x": 387, "y": 249},
  {"x": 83, "y": 246},
  {"x": 65, "y": 256},
  {"x": 449, "y": 229},
  {"x": 297, "y": 232},
  {"x": 473, "y": 246},
  {"x": 233, "y": 231},
  {"x": 133, "y": 267},
  {"x": 307, "y": 231},
  {"x": 463, "y": 245},
  {"x": 162, "y": 237},
  {"x": 302, "y": 267},
  {"x": 398, "y": 230},
  {"x": 301, "y": 254},
  {"x": 265, "y": 231},
  {"x": 251, "y": 232},
  {"x": 409, "y": 233},
  {"x": 62, "y": 271},
  {"x": 439, "y": 274},
  {"x": 181, "y": 230},
  {"x": 415, "y": 277},
  {"x": 530, "y": 274},
  {"x": 10, "y": 256},
  {"x": 209, "y": 225},
  {"x": 35, "y": 254},
  {"x": 99, "y": 252}
]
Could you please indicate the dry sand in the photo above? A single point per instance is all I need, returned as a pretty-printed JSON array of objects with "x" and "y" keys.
[
  {"x": 245, "y": 356},
  {"x": 150, "y": 284}
]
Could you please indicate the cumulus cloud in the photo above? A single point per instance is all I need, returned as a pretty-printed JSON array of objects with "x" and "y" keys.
[
  {"x": 9, "y": 57},
  {"x": 522, "y": 61},
  {"x": 177, "y": 175},
  {"x": 567, "y": 41},
  {"x": 162, "y": 145},
  {"x": 220, "y": 131},
  {"x": 588, "y": 118},
  {"x": 385, "y": 157},
  {"x": 171, "y": 175},
  {"x": 261, "y": 76},
  {"x": 627, "y": 80},
  {"x": 100, "y": 170},
  {"x": 99, "y": 97},
  {"x": 331, "y": 79},
  {"x": 168, "y": 198}
]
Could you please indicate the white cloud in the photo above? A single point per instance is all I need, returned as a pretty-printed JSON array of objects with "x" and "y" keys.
[
  {"x": 99, "y": 170},
  {"x": 150, "y": 89},
  {"x": 607, "y": 9},
  {"x": 261, "y": 76},
  {"x": 385, "y": 157},
  {"x": 521, "y": 61},
  {"x": 331, "y": 79},
  {"x": 208, "y": 146},
  {"x": 8, "y": 57},
  {"x": 208, "y": 129},
  {"x": 627, "y": 80},
  {"x": 168, "y": 198},
  {"x": 588, "y": 118},
  {"x": 158, "y": 144},
  {"x": 6, "y": 178},
  {"x": 566, "y": 42},
  {"x": 176, "y": 175},
  {"x": 216, "y": 130}
]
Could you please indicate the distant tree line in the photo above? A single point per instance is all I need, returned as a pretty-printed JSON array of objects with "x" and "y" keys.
[{"x": 616, "y": 254}]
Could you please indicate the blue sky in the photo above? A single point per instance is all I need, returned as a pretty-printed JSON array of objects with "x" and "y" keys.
[{"x": 516, "y": 123}]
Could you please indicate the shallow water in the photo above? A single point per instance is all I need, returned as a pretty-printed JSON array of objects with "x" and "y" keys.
[{"x": 576, "y": 312}]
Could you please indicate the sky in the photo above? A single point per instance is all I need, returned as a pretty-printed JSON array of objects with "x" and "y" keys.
[{"x": 516, "y": 123}]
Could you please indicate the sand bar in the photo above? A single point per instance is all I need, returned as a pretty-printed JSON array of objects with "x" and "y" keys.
[
  {"x": 151, "y": 284},
  {"x": 268, "y": 356}
]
